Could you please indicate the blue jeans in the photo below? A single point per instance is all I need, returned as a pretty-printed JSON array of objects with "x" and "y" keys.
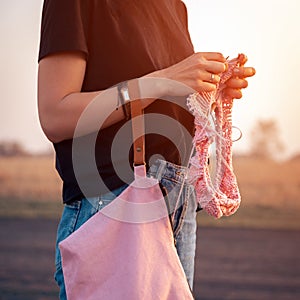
[{"x": 182, "y": 216}]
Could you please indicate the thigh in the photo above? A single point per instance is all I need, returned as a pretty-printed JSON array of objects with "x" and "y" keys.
[
  {"x": 75, "y": 215},
  {"x": 182, "y": 205},
  {"x": 185, "y": 239}
]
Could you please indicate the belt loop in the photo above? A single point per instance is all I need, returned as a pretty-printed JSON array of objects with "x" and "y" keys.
[{"x": 161, "y": 168}]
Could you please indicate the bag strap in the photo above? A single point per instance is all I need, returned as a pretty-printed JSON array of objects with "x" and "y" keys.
[
  {"x": 138, "y": 132},
  {"x": 137, "y": 122}
]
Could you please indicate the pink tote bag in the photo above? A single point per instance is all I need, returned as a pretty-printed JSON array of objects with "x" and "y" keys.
[{"x": 126, "y": 250}]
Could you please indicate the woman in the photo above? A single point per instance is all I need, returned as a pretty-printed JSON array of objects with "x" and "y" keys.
[{"x": 89, "y": 47}]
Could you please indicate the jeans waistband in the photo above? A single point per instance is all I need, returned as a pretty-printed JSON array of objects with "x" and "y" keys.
[{"x": 164, "y": 169}]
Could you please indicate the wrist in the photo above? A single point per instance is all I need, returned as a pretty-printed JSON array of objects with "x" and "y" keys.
[{"x": 154, "y": 85}]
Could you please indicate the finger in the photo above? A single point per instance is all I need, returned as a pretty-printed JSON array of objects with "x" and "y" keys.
[
  {"x": 214, "y": 67},
  {"x": 242, "y": 58},
  {"x": 243, "y": 72},
  {"x": 211, "y": 77},
  {"x": 212, "y": 62},
  {"x": 214, "y": 56},
  {"x": 206, "y": 87},
  {"x": 233, "y": 93},
  {"x": 236, "y": 83}
]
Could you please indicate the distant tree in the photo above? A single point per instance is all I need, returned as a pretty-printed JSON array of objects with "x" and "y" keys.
[
  {"x": 12, "y": 148},
  {"x": 265, "y": 139}
]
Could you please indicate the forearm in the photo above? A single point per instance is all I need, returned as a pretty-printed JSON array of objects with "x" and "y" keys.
[
  {"x": 93, "y": 109},
  {"x": 61, "y": 104},
  {"x": 59, "y": 121}
]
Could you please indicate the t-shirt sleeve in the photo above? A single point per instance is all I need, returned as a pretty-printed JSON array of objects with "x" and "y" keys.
[{"x": 62, "y": 27}]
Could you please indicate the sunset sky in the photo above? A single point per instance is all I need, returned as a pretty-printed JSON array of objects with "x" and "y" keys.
[{"x": 267, "y": 31}]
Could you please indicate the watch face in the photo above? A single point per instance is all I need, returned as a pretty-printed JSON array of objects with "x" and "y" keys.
[{"x": 125, "y": 93}]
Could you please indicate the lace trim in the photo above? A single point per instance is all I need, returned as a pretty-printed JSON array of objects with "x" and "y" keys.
[{"x": 219, "y": 195}]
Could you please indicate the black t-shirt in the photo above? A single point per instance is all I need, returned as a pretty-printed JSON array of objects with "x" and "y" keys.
[{"x": 121, "y": 40}]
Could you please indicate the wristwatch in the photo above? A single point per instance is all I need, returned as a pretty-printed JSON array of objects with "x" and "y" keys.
[{"x": 124, "y": 99}]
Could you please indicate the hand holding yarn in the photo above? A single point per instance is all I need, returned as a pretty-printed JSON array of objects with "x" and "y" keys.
[
  {"x": 238, "y": 81},
  {"x": 220, "y": 195}
]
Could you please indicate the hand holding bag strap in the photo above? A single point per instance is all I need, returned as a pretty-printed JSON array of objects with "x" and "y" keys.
[{"x": 138, "y": 126}]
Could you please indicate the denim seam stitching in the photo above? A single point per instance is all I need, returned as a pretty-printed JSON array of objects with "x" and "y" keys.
[{"x": 183, "y": 212}]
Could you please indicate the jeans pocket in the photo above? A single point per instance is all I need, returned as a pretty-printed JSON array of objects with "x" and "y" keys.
[{"x": 176, "y": 203}]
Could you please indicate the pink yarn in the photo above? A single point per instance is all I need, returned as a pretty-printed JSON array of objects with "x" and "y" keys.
[{"x": 220, "y": 195}]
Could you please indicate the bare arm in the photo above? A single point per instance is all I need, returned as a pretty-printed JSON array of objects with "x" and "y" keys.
[{"x": 61, "y": 102}]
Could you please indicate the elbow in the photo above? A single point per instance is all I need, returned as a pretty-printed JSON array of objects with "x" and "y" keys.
[
  {"x": 52, "y": 136},
  {"x": 51, "y": 129},
  {"x": 51, "y": 133}
]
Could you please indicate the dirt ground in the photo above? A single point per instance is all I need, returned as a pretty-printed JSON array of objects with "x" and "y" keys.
[{"x": 231, "y": 263}]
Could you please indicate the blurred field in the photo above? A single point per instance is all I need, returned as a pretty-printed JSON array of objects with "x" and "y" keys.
[
  {"x": 30, "y": 187},
  {"x": 231, "y": 263},
  {"x": 270, "y": 195}
]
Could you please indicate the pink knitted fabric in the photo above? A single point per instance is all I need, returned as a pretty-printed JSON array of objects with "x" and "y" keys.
[{"x": 220, "y": 195}]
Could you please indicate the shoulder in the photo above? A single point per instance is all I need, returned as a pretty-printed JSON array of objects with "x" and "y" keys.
[{"x": 63, "y": 26}]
